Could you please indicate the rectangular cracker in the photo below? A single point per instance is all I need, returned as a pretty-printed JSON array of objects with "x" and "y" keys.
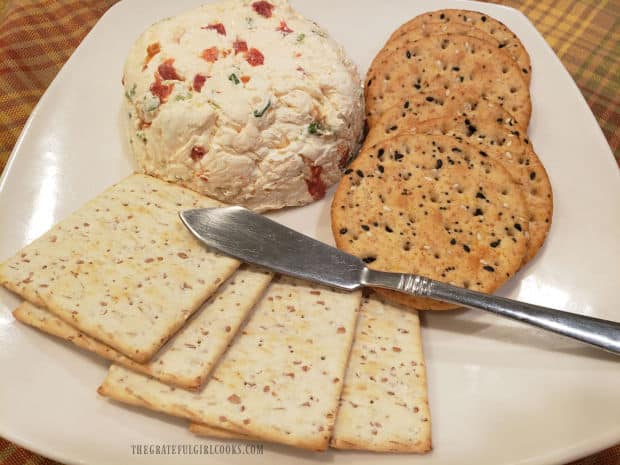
[
  {"x": 281, "y": 378},
  {"x": 218, "y": 433},
  {"x": 384, "y": 404},
  {"x": 122, "y": 268},
  {"x": 187, "y": 359}
]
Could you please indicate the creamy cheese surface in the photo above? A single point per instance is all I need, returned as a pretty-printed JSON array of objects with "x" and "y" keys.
[{"x": 246, "y": 102}]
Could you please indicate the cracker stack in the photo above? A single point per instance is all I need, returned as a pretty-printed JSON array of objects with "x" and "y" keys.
[
  {"x": 115, "y": 276},
  {"x": 447, "y": 183}
]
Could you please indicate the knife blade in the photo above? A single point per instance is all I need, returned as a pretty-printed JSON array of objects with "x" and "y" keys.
[{"x": 255, "y": 239}]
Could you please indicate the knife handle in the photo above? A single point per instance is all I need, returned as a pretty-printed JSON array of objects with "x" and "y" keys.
[{"x": 594, "y": 331}]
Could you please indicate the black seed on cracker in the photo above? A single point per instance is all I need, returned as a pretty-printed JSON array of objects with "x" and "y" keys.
[
  {"x": 388, "y": 229},
  {"x": 480, "y": 195},
  {"x": 406, "y": 105},
  {"x": 381, "y": 168},
  {"x": 369, "y": 259},
  {"x": 466, "y": 248},
  {"x": 495, "y": 243},
  {"x": 518, "y": 227},
  {"x": 478, "y": 212},
  {"x": 360, "y": 173},
  {"x": 488, "y": 268},
  {"x": 343, "y": 230},
  {"x": 348, "y": 171},
  {"x": 398, "y": 156},
  {"x": 429, "y": 99},
  {"x": 439, "y": 163},
  {"x": 365, "y": 227},
  {"x": 408, "y": 54},
  {"x": 532, "y": 175},
  {"x": 453, "y": 241},
  {"x": 456, "y": 68},
  {"x": 456, "y": 150},
  {"x": 471, "y": 129}
]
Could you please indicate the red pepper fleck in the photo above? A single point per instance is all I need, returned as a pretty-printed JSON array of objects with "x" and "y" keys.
[
  {"x": 210, "y": 54},
  {"x": 255, "y": 57},
  {"x": 219, "y": 27},
  {"x": 283, "y": 28},
  {"x": 143, "y": 124},
  {"x": 198, "y": 151},
  {"x": 240, "y": 46},
  {"x": 199, "y": 81},
  {"x": 316, "y": 186},
  {"x": 245, "y": 79},
  {"x": 160, "y": 90},
  {"x": 166, "y": 70},
  {"x": 263, "y": 8},
  {"x": 151, "y": 51}
]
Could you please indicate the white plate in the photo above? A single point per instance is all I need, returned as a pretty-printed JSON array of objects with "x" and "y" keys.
[{"x": 500, "y": 393}]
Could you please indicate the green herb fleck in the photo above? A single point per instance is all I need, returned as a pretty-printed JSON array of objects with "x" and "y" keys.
[
  {"x": 316, "y": 128},
  {"x": 185, "y": 96},
  {"x": 151, "y": 104},
  {"x": 319, "y": 33},
  {"x": 233, "y": 78},
  {"x": 130, "y": 94},
  {"x": 214, "y": 105},
  {"x": 250, "y": 22},
  {"x": 301, "y": 37},
  {"x": 259, "y": 113},
  {"x": 140, "y": 135}
]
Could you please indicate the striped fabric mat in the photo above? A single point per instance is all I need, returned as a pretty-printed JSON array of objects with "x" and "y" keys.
[{"x": 38, "y": 36}]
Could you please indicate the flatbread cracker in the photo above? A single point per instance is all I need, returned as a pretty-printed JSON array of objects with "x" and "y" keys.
[
  {"x": 187, "y": 359},
  {"x": 384, "y": 403},
  {"x": 219, "y": 433},
  {"x": 435, "y": 206},
  {"x": 501, "y": 137},
  {"x": 472, "y": 23},
  {"x": 122, "y": 268},
  {"x": 281, "y": 378},
  {"x": 447, "y": 62}
]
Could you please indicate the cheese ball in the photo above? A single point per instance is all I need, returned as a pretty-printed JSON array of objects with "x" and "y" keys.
[{"x": 245, "y": 102}]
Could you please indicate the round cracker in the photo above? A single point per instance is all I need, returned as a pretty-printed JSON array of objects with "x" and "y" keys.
[
  {"x": 434, "y": 206},
  {"x": 473, "y": 23},
  {"x": 498, "y": 135},
  {"x": 486, "y": 119},
  {"x": 452, "y": 63}
]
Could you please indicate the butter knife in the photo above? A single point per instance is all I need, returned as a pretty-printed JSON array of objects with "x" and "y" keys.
[{"x": 256, "y": 239}]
